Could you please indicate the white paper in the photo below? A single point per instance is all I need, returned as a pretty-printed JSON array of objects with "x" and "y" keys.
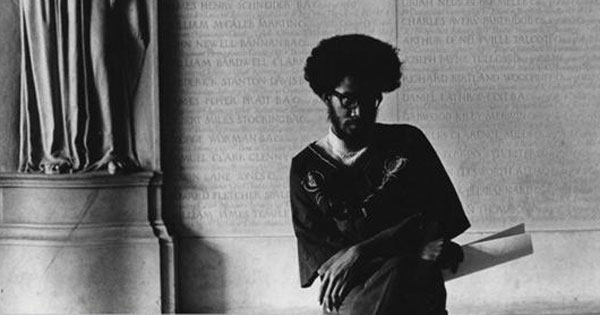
[
  {"x": 511, "y": 231},
  {"x": 493, "y": 250}
]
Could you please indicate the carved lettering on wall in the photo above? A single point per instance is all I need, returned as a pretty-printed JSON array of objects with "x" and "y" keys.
[
  {"x": 508, "y": 92},
  {"x": 241, "y": 107}
]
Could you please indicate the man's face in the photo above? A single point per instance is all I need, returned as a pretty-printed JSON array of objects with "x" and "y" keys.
[{"x": 352, "y": 109}]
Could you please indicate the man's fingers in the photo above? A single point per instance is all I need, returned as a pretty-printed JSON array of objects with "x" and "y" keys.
[
  {"x": 437, "y": 248},
  {"x": 437, "y": 244},
  {"x": 324, "y": 286},
  {"x": 432, "y": 250},
  {"x": 327, "y": 296},
  {"x": 336, "y": 290},
  {"x": 321, "y": 271},
  {"x": 326, "y": 304},
  {"x": 342, "y": 294}
]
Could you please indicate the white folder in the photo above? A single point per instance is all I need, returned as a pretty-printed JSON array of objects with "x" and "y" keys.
[{"x": 499, "y": 248}]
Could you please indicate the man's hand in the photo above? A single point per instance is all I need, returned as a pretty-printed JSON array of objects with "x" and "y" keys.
[
  {"x": 326, "y": 265},
  {"x": 448, "y": 254},
  {"x": 337, "y": 274},
  {"x": 432, "y": 250},
  {"x": 452, "y": 255}
]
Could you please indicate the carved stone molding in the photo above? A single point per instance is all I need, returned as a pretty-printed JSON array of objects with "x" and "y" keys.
[
  {"x": 66, "y": 235},
  {"x": 92, "y": 210},
  {"x": 84, "y": 180}
]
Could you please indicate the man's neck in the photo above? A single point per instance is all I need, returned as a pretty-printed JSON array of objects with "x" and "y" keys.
[
  {"x": 344, "y": 144},
  {"x": 350, "y": 143}
]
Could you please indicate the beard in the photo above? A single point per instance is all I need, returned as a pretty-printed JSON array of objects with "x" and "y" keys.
[{"x": 352, "y": 132}]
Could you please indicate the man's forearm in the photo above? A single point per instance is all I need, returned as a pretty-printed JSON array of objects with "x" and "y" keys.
[{"x": 403, "y": 237}]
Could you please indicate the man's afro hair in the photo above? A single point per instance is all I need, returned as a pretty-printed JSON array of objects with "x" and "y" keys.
[{"x": 374, "y": 62}]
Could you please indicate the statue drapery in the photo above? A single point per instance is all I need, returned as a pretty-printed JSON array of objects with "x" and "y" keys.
[{"x": 81, "y": 61}]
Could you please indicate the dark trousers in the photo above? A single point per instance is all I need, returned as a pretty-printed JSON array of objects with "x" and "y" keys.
[{"x": 397, "y": 286}]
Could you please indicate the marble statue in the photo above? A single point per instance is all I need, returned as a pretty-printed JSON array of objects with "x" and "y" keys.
[{"x": 81, "y": 62}]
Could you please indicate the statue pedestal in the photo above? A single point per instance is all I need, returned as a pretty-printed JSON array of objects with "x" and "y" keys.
[{"x": 83, "y": 244}]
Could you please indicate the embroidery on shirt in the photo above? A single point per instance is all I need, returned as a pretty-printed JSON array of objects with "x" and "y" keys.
[
  {"x": 391, "y": 167},
  {"x": 313, "y": 181}
]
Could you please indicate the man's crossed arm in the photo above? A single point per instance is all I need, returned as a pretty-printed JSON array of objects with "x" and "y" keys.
[{"x": 340, "y": 272}]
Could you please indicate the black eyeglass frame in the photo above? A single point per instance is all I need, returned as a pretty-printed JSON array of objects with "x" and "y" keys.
[{"x": 350, "y": 102}]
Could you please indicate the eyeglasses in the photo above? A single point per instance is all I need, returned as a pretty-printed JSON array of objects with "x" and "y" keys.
[{"x": 351, "y": 101}]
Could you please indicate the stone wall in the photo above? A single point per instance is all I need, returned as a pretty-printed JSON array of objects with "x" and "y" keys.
[{"x": 507, "y": 91}]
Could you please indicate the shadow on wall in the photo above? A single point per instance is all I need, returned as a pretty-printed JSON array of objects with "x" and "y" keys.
[
  {"x": 201, "y": 277},
  {"x": 199, "y": 267}
]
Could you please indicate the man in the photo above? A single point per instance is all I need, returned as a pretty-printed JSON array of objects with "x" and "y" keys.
[{"x": 373, "y": 208}]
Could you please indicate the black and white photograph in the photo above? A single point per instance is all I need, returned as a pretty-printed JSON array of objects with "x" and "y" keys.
[{"x": 300, "y": 157}]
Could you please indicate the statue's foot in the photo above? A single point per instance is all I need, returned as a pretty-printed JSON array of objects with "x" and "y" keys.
[
  {"x": 119, "y": 165},
  {"x": 56, "y": 167}
]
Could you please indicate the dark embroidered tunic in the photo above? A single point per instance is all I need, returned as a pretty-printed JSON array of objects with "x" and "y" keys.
[{"x": 335, "y": 206}]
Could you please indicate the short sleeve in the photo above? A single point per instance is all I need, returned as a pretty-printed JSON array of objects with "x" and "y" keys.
[
  {"x": 317, "y": 236},
  {"x": 443, "y": 205}
]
